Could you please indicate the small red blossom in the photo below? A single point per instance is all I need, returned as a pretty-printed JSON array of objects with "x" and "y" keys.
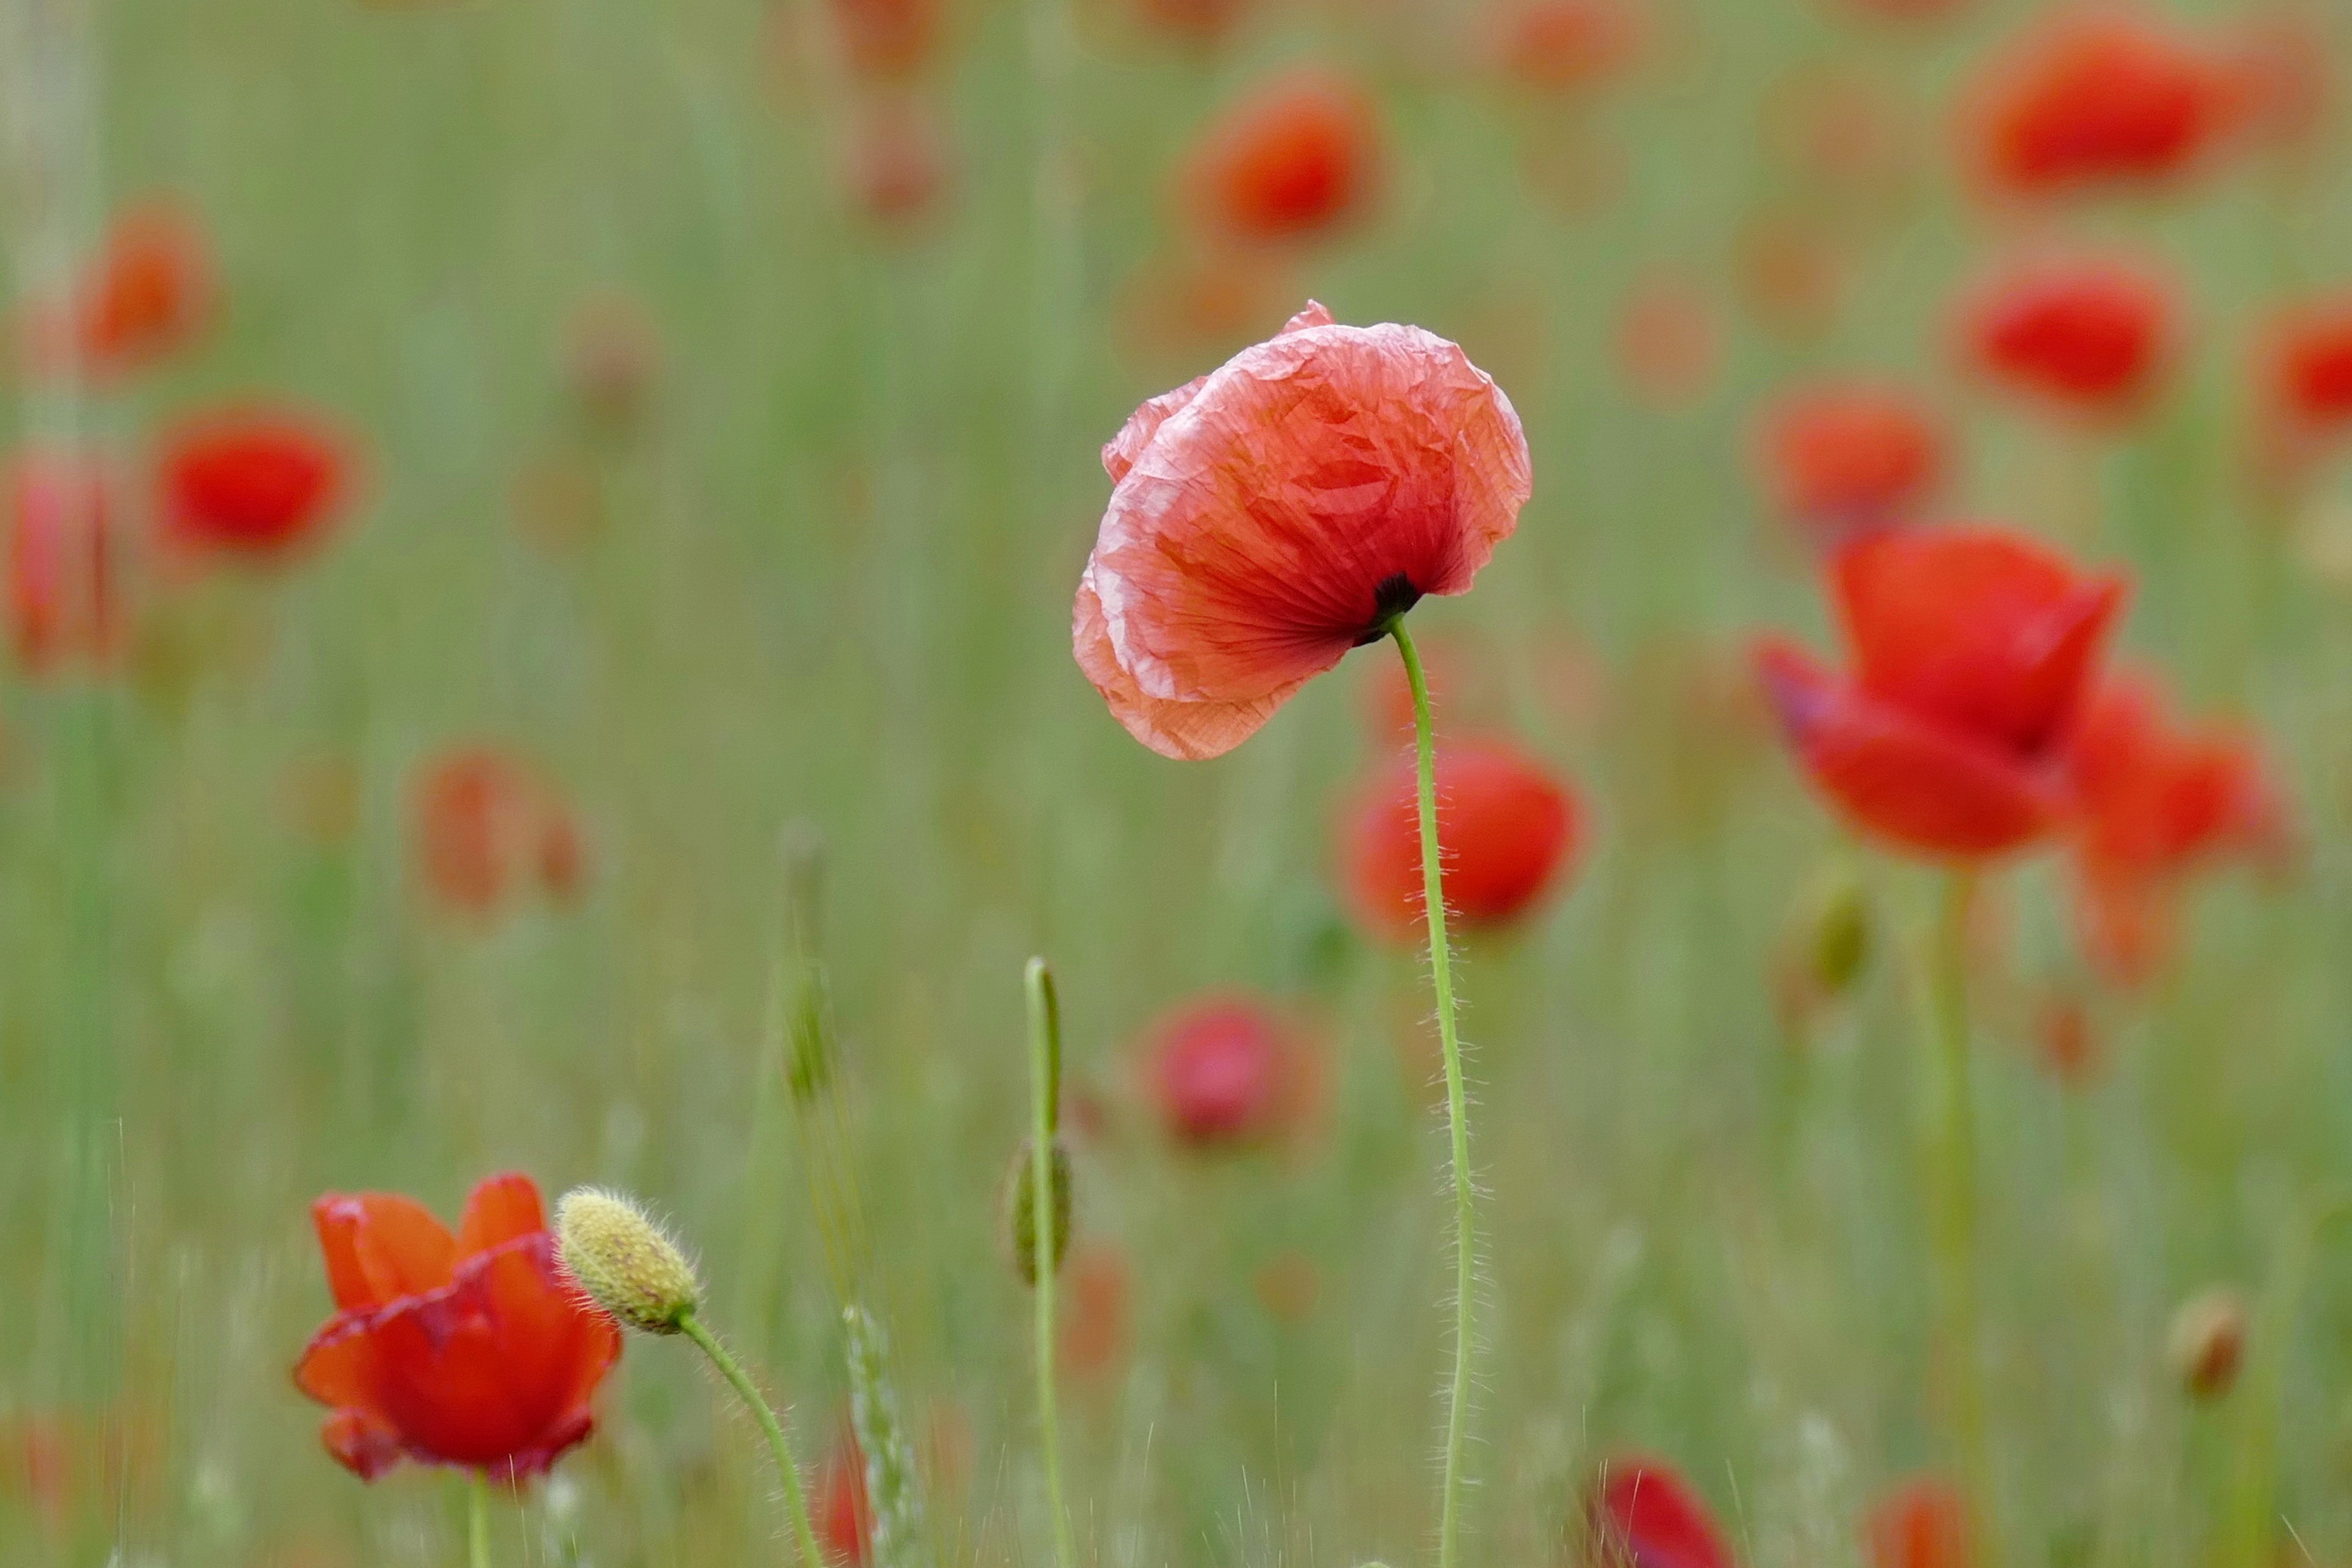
[
  {"x": 2097, "y": 97},
  {"x": 469, "y": 1349},
  {"x": 1974, "y": 648},
  {"x": 489, "y": 826},
  {"x": 1642, "y": 1514},
  {"x": 1297, "y": 158},
  {"x": 1269, "y": 517},
  {"x": 62, "y": 571},
  {"x": 145, "y": 294},
  {"x": 845, "y": 1514},
  {"x": 2304, "y": 375},
  {"x": 888, "y": 40},
  {"x": 1508, "y": 828},
  {"x": 1922, "y": 1524},
  {"x": 256, "y": 483},
  {"x": 1222, "y": 1070},
  {"x": 1838, "y": 456},
  {"x": 2088, "y": 336},
  {"x": 1567, "y": 45}
]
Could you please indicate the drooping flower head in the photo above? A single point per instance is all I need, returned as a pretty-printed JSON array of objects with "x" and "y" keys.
[
  {"x": 2085, "y": 336},
  {"x": 1641, "y": 1514},
  {"x": 470, "y": 1350},
  {"x": 147, "y": 293},
  {"x": 1297, "y": 157},
  {"x": 1921, "y": 1523},
  {"x": 1223, "y": 1070},
  {"x": 1270, "y": 516},
  {"x": 257, "y": 483},
  {"x": 1973, "y": 650},
  {"x": 62, "y": 571},
  {"x": 2097, "y": 97},
  {"x": 1507, "y": 829},
  {"x": 1838, "y": 456}
]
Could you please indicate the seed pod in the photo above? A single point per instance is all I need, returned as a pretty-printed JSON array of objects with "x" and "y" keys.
[
  {"x": 625, "y": 1262},
  {"x": 2207, "y": 1345},
  {"x": 1021, "y": 1216}
]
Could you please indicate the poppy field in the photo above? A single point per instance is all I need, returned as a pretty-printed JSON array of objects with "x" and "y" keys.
[{"x": 898, "y": 784}]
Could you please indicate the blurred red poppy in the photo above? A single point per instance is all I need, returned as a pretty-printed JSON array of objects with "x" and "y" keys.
[
  {"x": 844, "y": 1515},
  {"x": 1222, "y": 1070},
  {"x": 1094, "y": 1328},
  {"x": 896, "y": 167},
  {"x": 1922, "y": 1524},
  {"x": 1269, "y": 517},
  {"x": 1667, "y": 341},
  {"x": 2092, "y": 98},
  {"x": 1838, "y": 455},
  {"x": 62, "y": 576},
  {"x": 1642, "y": 1514},
  {"x": 468, "y": 1350},
  {"x": 888, "y": 40},
  {"x": 1974, "y": 648},
  {"x": 147, "y": 293},
  {"x": 1297, "y": 158},
  {"x": 2066, "y": 1040},
  {"x": 2087, "y": 335},
  {"x": 1507, "y": 826},
  {"x": 258, "y": 483},
  {"x": 488, "y": 828},
  {"x": 2305, "y": 371},
  {"x": 2155, "y": 800},
  {"x": 1567, "y": 45}
]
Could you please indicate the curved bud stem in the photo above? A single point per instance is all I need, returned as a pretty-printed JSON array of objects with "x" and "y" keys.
[{"x": 796, "y": 1501}]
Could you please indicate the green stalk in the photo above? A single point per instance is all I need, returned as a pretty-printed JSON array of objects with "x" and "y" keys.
[
  {"x": 1957, "y": 1218},
  {"x": 796, "y": 1501},
  {"x": 478, "y": 1522},
  {"x": 1046, "y": 1084},
  {"x": 1457, "y": 1116}
]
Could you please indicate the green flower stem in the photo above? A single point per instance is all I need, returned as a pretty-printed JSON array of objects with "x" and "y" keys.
[
  {"x": 478, "y": 1522},
  {"x": 1458, "y": 1117},
  {"x": 795, "y": 1498},
  {"x": 1045, "y": 1082},
  {"x": 1955, "y": 1201}
]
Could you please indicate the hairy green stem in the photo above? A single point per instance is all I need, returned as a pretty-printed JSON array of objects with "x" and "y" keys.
[
  {"x": 795, "y": 1500},
  {"x": 1957, "y": 1226},
  {"x": 1045, "y": 1085},
  {"x": 1457, "y": 1116}
]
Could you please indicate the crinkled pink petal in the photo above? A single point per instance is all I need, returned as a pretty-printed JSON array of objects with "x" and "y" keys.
[
  {"x": 1120, "y": 454},
  {"x": 1187, "y": 731}
]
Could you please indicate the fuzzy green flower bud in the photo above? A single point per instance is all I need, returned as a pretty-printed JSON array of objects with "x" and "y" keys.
[
  {"x": 1021, "y": 1207},
  {"x": 623, "y": 1261}
]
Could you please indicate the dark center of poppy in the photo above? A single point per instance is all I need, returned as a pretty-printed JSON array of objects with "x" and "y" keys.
[{"x": 1393, "y": 597}]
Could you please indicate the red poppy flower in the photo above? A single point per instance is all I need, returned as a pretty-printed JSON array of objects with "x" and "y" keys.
[
  {"x": 1973, "y": 648},
  {"x": 1840, "y": 455},
  {"x": 258, "y": 483},
  {"x": 1295, "y": 159},
  {"x": 896, "y": 166},
  {"x": 1506, "y": 826},
  {"x": 888, "y": 40},
  {"x": 2100, "y": 98},
  {"x": 1923, "y": 1523},
  {"x": 1568, "y": 46},
  {"x": 2308, "y": 369},
  {"x": 487, "y": 826},
  {"x": 2155, "y": 800},
  {"x": 844, "y": 1515},
  {"x": 61, "y": 575},
  {"x": 1642, "y": 1514},
  {"x": 1270, "y": 516},
  {"x": 2087, "y": 335},
  {"x": 147, "y": 293},
  {"x": 467, "y": 1350},
  {"x": 1667, "y": 343},
  {"x": 1220, "y": 1070}
]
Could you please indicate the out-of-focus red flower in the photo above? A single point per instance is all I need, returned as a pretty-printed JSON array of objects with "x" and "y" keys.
[
  {"x": 1297, "y": 158},
  {"x": 1974, "y": 648},
  {"x": 2100, "y": 97},
  {"x": 468, "y": 1350},
  {"x": 896, "y": 167},
  {"x": 1667, "y": 343},
  {"x": 1567, "y": 45},
  {"x": 257, "y": 483},
  {"x": 1840, "y": 455},
  {"x": 487, "y": 826},
  {"x": 1922, "y": 1524},
  {"x": 1223, "y": 1070},
  {"x": 2284, "y": 59},
  {"x": 1094, "y": 1328},
  {"x": 2066, "y": 1040},
  {"x": 2154, "y": 801},
  {"x": 844, "y": 1515},
  {"x": 147, "y": 293},
  {"x": 1788, "y": 274},
  {"x": 2087, "y": 335},
  {"x": 612, "y": 360},
  {"x": 2305, "y": 373},
  {"x": 1269, "y": 517},
  {"x": 1641, "y": 1514},
  {"x": 1507, "y": 830},
  {"x": 62, "y": 576},
  {"x": 62, "y": 1461},
  {"x": 888, "y": 40}
]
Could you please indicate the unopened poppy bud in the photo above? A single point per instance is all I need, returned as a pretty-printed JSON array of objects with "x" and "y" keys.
[
  {"x": 625, "y": 1262},
  {"x": 2208, "y": 1342},
  {"x": 1837, "y": 934},
  {"x": 1021, "y": 1202}
]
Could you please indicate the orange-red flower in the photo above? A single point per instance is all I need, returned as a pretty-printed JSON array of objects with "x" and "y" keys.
[
  {"x": 1669, "y": 344},
  {"x": 2087, "y": 335},
  {"x": 1507, "y": 830},
  {"x": 1223, "y": 1070},
  {"x": 2099, "y": 98},
  {"x": 1641, "y": 1514},
  {"x": 467, "y": 1350},
  {"x": 1840, "y": 455},
  {"x": 1922, "y": 1524},
  {"x": 1268, "y": 517},
  {"x": 888, "y": 40},
  {"x": 489, "y": 826},
  {"x": 844, "y": 1513},
  {"x": 61, "y": 571},
  {"x": 1297, "y": 158},
  {"x": 1974, "y": 647},
  {"x": 2305, "y": 371},
  {"x": 1567, "y": 45},
  {"x": 2155, "y": 800},
  {"x": 896, "y": 165},
  {"x": 147, "y": 293},
  {"x": 258, "y": 483}
]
